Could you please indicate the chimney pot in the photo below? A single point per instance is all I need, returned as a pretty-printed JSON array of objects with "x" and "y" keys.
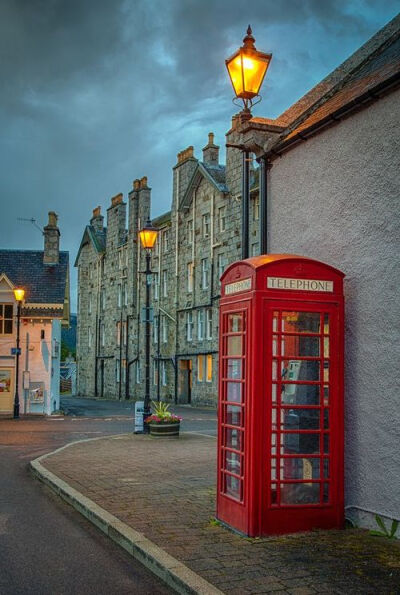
[{"x": 117, "y": 199}]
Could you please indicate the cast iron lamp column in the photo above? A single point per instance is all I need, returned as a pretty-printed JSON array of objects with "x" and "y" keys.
[
  {"x": 247, "y": 68},
  {"x": 148, "y": 236},
  {"x": 19, "y": 296}
]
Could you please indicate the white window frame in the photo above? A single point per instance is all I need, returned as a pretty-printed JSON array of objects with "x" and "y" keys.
[
  {"x": 155, "y": 328},
  {"x": 189, "y": 326},
  {"x": 200, "y": 368},
  {"x": 221, "y": 264},
  {"x": 190, "y": 231},
  {"x": 165, "y": 283},
  {"x": 255, "y": 248},
  {"x": 164, "y": 329},
  {"x": 163, "y": 373},
  {"x": 200, "y": 324},
  {"x": 90, "y": 303},
  {"x": 256, "y": 209},
  {"x": 204, "y": 273},
  {"x": 117, "y": 371},
  {"x": 89, "y": 337},
  {"x": 119, "y": 295},
  {"x": 156, "y": 278},
  {"x": 165, "y": 240},
  {"x": 222, "y": 218},
  {"x": 209, "y": 323},
  {"x": 137, "y": 372},
  {"x": 102, "y": 335},
  {"x": 3, "y": 319},
  {"x": 209, "y": 367},
  {"x": 190, "y": 277},
  {"x": 206, "y": 225}
]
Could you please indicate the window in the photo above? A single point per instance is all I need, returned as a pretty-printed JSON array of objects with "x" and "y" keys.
[
  {"x": 206, "y": 225},
  {"x": 209, "y": 368},
  {"x": 118, "y": 334},
  {"x": 102, "y": 300},
  {"x": 164, "y": 373},
  {"x": 189, "y": 326},
  {"x": 119, "y": 296},
  {"x": 200, "y": 325},
  {"x": 222, "y": 218},
  {"x": 90, "y": 270},
  {"x": 164, "y": 329},
  {"x": 90, "y": 303},
  {"x": 189, "y": 231},
  {"x": 165, "y": 283},
  {"x": 156, "y": 285},
  {"x": 254, "y": 249},
  {"x": 120, "y": 259},
  {"x": 200, "y": 368},
  {"x": 256, "y": 209},
  {"x": 117, "y": 370},
  {"x": 102, "y": 335},
  {"x": 165, "y": 240},
  {"x": 124, "y": 333},
  {"x": 155, "y": 371},
  {"x": 190, "y": 270},
  {"x": 209, "y": 323},
  {"x": 155, "y": 328},
  {"x": 137, "y": 372},
  {"x": 123, "y": 371},
  {"x": 125, "y": 293},
  {"x": 89, "y": 337},
  {"x": 204, "y": 273},
  {"x": 221, "y": 264}
]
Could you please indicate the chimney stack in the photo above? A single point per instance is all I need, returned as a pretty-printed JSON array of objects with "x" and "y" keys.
[
  {"x": 97, "y": 221},
  {"x": 211, "y": 151},
  {"x": 51, "y": 241}
]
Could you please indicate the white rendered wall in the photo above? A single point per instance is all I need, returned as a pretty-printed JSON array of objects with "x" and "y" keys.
[{"x": 335, "y": 198}]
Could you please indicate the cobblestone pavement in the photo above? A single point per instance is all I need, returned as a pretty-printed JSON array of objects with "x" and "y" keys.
[{"x": 164, "y": 488}]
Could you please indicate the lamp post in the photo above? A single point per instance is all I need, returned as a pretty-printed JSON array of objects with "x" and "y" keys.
[
  {"x": 148, "y": 237},
  {"x": 247, "y": 68},
  {"x": 19, "y": 296}
]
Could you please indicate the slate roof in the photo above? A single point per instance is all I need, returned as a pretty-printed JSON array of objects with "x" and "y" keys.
[
  {"x": 217, "y": 173},
  {"x": 43, "y": 284},
  {"x": 98, "y": 239},
  {"x": 162, "y": 219}
]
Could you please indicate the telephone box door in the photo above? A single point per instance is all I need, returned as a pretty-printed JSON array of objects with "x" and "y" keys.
[{"x": 304, "y": 431}]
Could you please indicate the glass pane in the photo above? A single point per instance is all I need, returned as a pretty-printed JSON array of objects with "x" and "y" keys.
[
  {"x": 326, "y": 395},
  {"x": 300, "y": 443},
  {"x": 8, "y": 327},
  {"x": 275, "y": 321},
  {"x": 326, "y": 371},
  {"x": 273, "y": 444},
  {"x": 303, "y": 346},
  {"x": 300, "y": 394},
  {"x": 326, "y": 324},
  {"x": 326, "y": 492},
  {"x": 326, "y": 468},
  {"x": 234, "y": 392},
  {"x": 305, "y": 468},
  {"x": 292, "y": 369},
  {"x": 274, "y": 346},
  {"x": 8, "y": 311},
  {"x": 274, "y": 393},
  {"x": 233, "y": 415},
  {"x": 301, "y": 322},
  {"x": 326, "y": 419},
  {"x": 326, "y": 346},
  {"x": 299, "y": 493},
  {"x": 234, "y": 368},
  {"x": 326, "y": 444},
  {"x": 234, "y": 346},
  {"x": 232, "y": 486},
  {"x": 232, "y": 462},
  {"x": 273, "y": 469},
  {"x": 300, "y": 419},
  {"x": 235, "y": 323},
  {"x": 274, "y": 496},
  {"x": 233, "y": 438},
  {"x": 274, "y": 369}
]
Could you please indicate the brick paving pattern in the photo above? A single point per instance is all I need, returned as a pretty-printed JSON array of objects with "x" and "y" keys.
[{"x": 165, "y": 488}]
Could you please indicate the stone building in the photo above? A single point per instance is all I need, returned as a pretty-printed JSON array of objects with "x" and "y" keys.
[{"x": 197, "y": 239}]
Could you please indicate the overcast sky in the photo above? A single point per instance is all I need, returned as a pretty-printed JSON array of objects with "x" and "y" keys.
[{"x": 96, "y": 93}]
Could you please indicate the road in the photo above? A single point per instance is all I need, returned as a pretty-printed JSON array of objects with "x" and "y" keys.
[{"x": 46, "y": 547}]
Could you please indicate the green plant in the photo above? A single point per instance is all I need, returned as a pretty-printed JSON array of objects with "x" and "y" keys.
[
  {"x": 161, "y": 415},
  {"x": 385, "y": 533}
]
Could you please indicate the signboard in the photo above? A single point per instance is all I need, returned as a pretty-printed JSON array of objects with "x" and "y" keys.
[
  {"x": 139, "y": 410},
  {"x": 299, "y": 284},
  {"x": 15, "y": 350},
  {"x": 243, "y": 285},
  {"x": 5, "y": 380},
  {"x": 36, "y": 392}
]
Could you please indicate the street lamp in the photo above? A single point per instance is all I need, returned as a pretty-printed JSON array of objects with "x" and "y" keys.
[
  {"x": 247, "y": 68},
  {"x": 19, "y": 295},
  {"x": 148, "y": 237}
]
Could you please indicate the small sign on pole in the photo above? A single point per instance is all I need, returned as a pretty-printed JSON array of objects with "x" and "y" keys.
[
  {"x": 139, "y": 410},
  {"x": 15, "y": 350}
]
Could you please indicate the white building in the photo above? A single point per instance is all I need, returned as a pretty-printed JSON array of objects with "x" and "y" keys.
[{"x": 44, "y": 275}]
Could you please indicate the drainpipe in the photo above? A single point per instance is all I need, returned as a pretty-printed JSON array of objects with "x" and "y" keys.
[
  {"x": 245, "y": 204},
  {"x": 120, "y": 359},
  {"x": 265, "y": 166}
]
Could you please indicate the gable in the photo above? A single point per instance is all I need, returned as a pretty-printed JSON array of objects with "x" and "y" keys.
[{"x": 213, "y": 174}]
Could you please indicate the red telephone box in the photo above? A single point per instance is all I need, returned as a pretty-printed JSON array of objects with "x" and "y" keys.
[{"x": 280, "y": 426}]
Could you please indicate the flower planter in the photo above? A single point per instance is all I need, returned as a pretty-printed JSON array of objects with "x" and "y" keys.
[{"x": 160, "y": 429}]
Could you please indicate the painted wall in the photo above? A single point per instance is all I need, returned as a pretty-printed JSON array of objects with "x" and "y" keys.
[{"x": 336, "y": 198}]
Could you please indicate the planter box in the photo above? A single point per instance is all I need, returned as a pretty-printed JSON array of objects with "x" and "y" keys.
[{"x": 157, "y": 429}]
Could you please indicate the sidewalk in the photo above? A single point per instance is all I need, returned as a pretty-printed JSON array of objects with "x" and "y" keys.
[{"x": 164, "y": 489}]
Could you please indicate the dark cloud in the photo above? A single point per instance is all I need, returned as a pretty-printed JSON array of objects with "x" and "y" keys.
[{"x": 97, "y": 93}]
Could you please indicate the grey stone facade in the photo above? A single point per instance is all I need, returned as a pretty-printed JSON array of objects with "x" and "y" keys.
[{"x": 198, "y": 238}]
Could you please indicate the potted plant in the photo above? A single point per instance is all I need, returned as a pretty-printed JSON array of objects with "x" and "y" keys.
[{"x": 162, "y": 422}]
